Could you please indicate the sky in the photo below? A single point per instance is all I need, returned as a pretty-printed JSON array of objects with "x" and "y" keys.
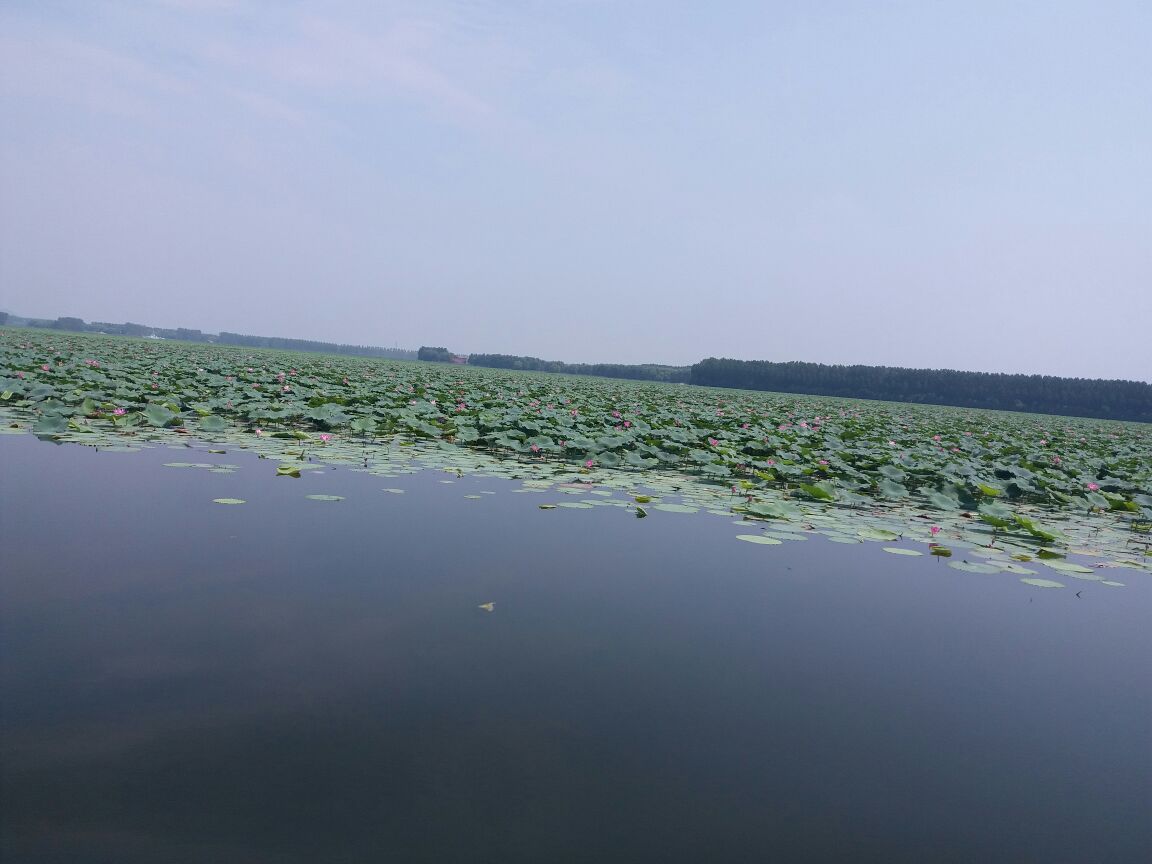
[{"x": 934, "y": 184}]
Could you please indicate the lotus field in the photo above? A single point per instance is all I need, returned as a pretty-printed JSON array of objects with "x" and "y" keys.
[{"x": 1002, "y": 488}]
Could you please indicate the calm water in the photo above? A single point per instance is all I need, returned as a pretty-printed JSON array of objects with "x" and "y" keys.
[{"x": 300, "y": 681}]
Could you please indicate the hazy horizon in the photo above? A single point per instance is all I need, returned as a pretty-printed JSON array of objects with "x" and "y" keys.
[{"x": 953, "y": 185}]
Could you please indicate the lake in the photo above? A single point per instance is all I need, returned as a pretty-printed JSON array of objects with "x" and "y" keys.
[{"x": 301, "y": 680}]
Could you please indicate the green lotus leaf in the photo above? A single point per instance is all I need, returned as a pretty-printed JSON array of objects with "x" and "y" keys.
[
  {"x": 973, "y": 567},
  {"x": 1067, "y": 566},
  {"x": 758, "y": 538},
  {"x": 158, "y": 415},
  {"x": 877, "y": 534}
]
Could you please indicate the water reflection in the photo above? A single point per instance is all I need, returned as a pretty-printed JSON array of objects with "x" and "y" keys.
[{"x": 292, "y": 680}]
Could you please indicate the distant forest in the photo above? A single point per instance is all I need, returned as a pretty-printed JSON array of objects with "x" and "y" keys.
[
  {"x": 184, "y": 334},
  {"x": 1038, "y": 394}
]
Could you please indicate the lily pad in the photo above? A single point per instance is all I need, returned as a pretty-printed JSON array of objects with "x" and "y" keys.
[
  {"x": 1067, "y": 566},
  {"x": 973, "y": 567},
  {"x": 878, "y": 534}
]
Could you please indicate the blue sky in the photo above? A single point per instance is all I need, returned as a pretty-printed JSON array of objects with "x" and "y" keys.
[{"x": 944, "y": 184}]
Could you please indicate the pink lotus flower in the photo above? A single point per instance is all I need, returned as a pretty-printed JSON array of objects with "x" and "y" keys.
[
  {"x": 627, "y": 423},
  {"x": 44, "y": 367},
  {"x": 615, "y": 413},
  {"x": 535, "y": 448},
  {"x": 713, "y": 442},
  {"x": 1055, "y": 460},
  {"x": 588, "y": 464},
  {"x": 823, "y": 461},
  {"x": 935, "y": 437},
  {"x": 1093, "y": 486},
  {"x": 259, "y": 431},
  {"x": 935, "y": 529},
  {"x": 325, "y": 437},
  {"x": 119, "y": 412}
]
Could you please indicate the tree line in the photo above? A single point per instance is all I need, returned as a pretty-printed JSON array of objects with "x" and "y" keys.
[{"x": 1038, "y": 394}]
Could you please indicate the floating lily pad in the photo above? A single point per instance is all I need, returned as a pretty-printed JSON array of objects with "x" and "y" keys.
[
  {"x": 1042, "y": 583},
  {"x": 1016, "y": 568},
  {"x": 897, "y": 550},
  {"x": 1067, "y": 566},
  {"x": 229, "y": 501},
  {"x": 973, "y": 567},
  {"x": 325, "y": 497},
  {"x": 878, "y": 534},
  {"x": 759, "y": 538}
]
